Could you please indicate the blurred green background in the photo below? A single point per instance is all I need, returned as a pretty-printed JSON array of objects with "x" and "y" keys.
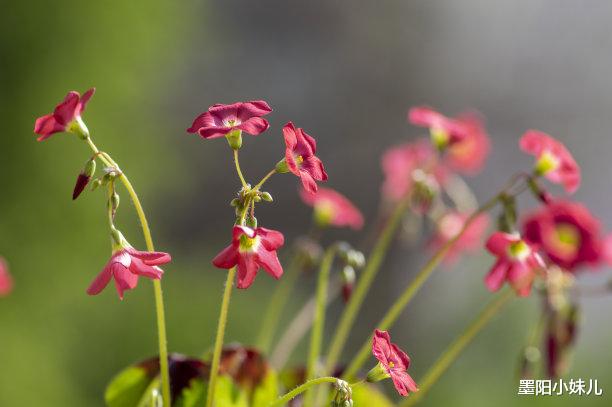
[{"x": 345, "y": 70}]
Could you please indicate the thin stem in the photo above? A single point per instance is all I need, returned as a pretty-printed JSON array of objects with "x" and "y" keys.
[
  {"x": 214, "y": 370},
  {"x": 364, "y": 283},
  {"x": 396, "y": 309},
  {"x": 455, "y": 349},
  {"x": 300, "y": 389},
  {"x": 277, "y": 304},
  {"x": 159, "y": 298},
  {"x": 238, "y": 170},
  {"x": 316, "y": 336},
  {"x": 264, "y": 179}
]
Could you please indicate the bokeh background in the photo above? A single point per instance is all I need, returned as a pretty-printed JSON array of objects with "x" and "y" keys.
[{"x": 345, "y": 70}]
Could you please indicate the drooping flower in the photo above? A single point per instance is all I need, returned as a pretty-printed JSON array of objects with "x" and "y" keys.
[
  {"x": 251, "y": 249},
  {"x": 444, "y": 130},
  {"x": 333, "y": 208},
  {"x": 6, "y": 281},
  {"x": 394, "y": 363},
  {"x": 468, "y": 154},
  {"x": 219, "y": 119},
  {"x": 517, "y": 263},
  {"x": 409, "y": 166},
  {"x": 65, "y": 117},
  {"x": 300, "y": 157},
  {"x": 567, "y": 233},
  {"x": 450, "y": 224},
  {"x": 553, "y": 159},
  {"x": 126, "y": 265}
]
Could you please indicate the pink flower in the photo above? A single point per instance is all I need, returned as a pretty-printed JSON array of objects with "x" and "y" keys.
[
  {"x": 450, "y": 224},
  {"x": 250, "y": 250},
  {"x": 567, "y": 233},
  {"x": 220, "y": 119},
  {"x": 125, "y": 265},
  {"x": 6, "y": 281},
  {"x": 64, "y": 116},
  {"x": 300, "y": 157},
  {"x": 408, "y": 164},
  {"x": 444, "y": 130},
  {"x": 394, "y": 362},
  {"x": 554, "y": 161},
  {"x": 469, "y": 154},
  {"x": 333, "y": 208},
  {"x": 517, "y": 263}
]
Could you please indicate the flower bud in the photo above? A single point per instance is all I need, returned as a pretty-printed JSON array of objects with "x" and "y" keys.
[
  {"x": 281, "y": 167},
  {"x": 356, "y": 259},
  {"x": 235, "y": 202},
  {"x": 343, "y": 396},
  {"x": 348, "y": 282},
  {"x": 266, "y": 197},
  {"x": 377, "y": 374},
  {"x": 426, "y": 188},
  {"x": 529, "y": 360},
  {"x": 84, "y": 178},
  {"x": 95, "y": 184},
  {"x": 251, "y": 222},
  {"x": 234, "y": 138},
  {"x": 115, "y": 202}
]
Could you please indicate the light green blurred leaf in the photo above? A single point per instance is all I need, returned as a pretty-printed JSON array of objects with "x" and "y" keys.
[
  {"x": 266, "y": 391},
  {"x": 366, "y": 395},
  {"x": 127, "y": 388}
]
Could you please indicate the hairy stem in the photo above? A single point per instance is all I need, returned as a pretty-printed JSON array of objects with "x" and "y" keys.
[{"x": 300, "y": 389}]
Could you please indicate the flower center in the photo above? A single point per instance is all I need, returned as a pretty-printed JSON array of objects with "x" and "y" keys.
[
  {"x": 231, "y": 122},
  {"x": 567, "y": 239},
  {"x": 391, "y": 365},
  {"x": 323, "y": 213},
  {"x": 439, "y": 137},
  {"x": 248, "y": 244},
  {"x": 546, "y": 163},
  {"x": 519, "y": 250}
]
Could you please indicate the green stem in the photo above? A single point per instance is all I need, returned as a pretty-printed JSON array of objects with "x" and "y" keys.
[
  {"x": 365, "y": 281},
  {"x": 264, "y": 179},
  {"x": 455, "y": 349},
  {"x": 214, "y": 370},
  {"x": 396, "y": 309},
  {"x": 316, "y": 336},
  {"x": 238, "y": 170},
  {"x": 277, "y": 304},
  {"x": 159, "y": 298},
  {"x": 300, "y": 389}
]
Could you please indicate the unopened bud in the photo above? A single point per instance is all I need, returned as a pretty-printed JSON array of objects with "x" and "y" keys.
[
  {"x": 348, "y": 282},
  {"x": 266, "y": 196},
  {"x": 343, "y": 396},
  {"x": 257, "y": 198},
  {"x": 95, "y": 184},
  {"x": 426, "y": 188},
  {"x": 115, "y": 201},
  {"x": 356, "y": 259},
  {"x": 84, "y": 178},
  {"x": 251, "y": 222}
]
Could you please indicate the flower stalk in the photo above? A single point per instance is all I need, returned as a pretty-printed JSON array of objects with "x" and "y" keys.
[{"x": 281, "y": 401}]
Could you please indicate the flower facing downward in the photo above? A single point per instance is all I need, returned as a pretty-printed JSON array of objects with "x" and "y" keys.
[
  {"x": 444, "y": 130},
  {"x": 554, "y": 161},
  {"x": 126, "y": 265},
  {"x": 516, "y": 263},
  {"x": 393, "y": 362},
  {"x": 567, "y": 233},
  {"x": 65, "y": 117},
  {"x": 250, "y": 250},
  {"x": 333, "y": 208},
  {"x": 6, "y": 282},
  {"x": 468, "y": 155},
  {"x": 300, "y": 157},
  {"x": 220, "y": 119}
]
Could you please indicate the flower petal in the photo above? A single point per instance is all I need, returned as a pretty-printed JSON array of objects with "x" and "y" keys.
[
  {"x": 124, "y": 278},
  {"x": 254, "y": 126},
  {"x": 271, "y": 239},
  {"x": 101, "y": 280},
  {"x": 496, "y": 277},
  {"x": 247, "y": 270},
  {"x": 268, "y": 260},
  {"x": 227, "y": 258}
]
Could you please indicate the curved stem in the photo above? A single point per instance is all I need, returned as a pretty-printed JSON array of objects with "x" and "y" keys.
[
  {"x": 214, "y": 369},
  {"x": 277, "y": 304},
  {"x": 398, "y": 306},
  {"x": 316, "y": 336},
  {"x": 455, "y": 349},
  {"x": 364, "y": 283},
  {"x": 238, "y": 170},
  {"x": 264, "y": 179},
  {"x": 300, "y": 389},
  {"x": 159, "y": 298}
]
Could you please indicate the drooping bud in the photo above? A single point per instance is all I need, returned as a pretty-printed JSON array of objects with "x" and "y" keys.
[
  {"x": 114, "y": 202},
  {"x": 507, "y": 219},
  {"x": 377, "y": 374},
  {"x": 425, "y": 190},
  {"x": 251, "y": 222},
  {"x": 84, "y": 178},
  {"x": 266, "y": 196},
  {"x": 343, "y": 396},
  {"x": 95, "y": 184},
  {"x": 234, "y": 138},
  {"x": 348, "y": 282},
  {"x": 528, "y": 363},
  {"x": 235, "y": 202}
]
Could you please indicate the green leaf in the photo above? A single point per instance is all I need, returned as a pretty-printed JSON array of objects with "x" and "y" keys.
[
  {"x": 227, "y": 394},
  {"x": 366, "y": 395},
  {"x": 266, "y": 391},
  {"x": 127, "y": 388},
  {"x": 194, "y": 395}
]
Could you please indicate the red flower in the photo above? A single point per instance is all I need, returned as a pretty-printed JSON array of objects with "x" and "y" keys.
[
  {"x": 567, "y": 233},
  {"x": 469, "y": 154},
  {"x": 64, "y": 115},
  {"x": 407, "y": 164},
  {"x": 450, "y": 224},
  {"x": 444, "y": 130},
  {"x": 300, "y": 157},
  {"x": 554, "y": 161},
  {"x": 220, "y": 119},
  {"x": 333, "y": 208},
  {"x": 125, "y": 265},
  {"x": 6, "y": 282},
  {"x": 517, "y": 262},
  {"x": 394, "y": 361},
  {"x": 250, "y": 250}
]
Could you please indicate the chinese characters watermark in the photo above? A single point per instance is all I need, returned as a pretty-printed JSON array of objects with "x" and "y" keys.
[{"x": 548, "y": 387}]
